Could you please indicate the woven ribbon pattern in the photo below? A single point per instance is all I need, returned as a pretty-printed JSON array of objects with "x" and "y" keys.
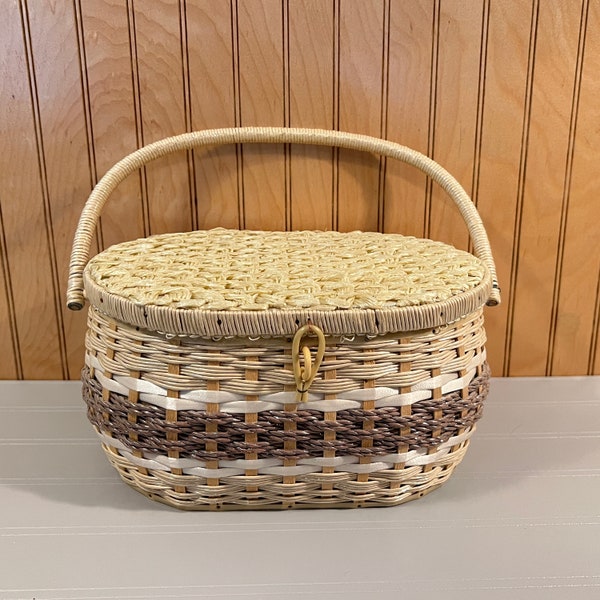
[
  {"x": 425, "y": 426},
  {"x": 215, "y": 424}
]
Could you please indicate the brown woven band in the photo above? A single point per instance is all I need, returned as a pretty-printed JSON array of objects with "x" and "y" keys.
[{"x": 144, "y": 427}]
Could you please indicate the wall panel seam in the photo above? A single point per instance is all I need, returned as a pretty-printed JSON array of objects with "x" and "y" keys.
[
  {"x": 87, "y": 110},
  {"x": 385, "y": 62},
  {"x": 10, "y": 301},
  {"x": 595, "y": 332},
  {"x": 237, "y": 109},
  {"x": 187, "y": 110},
  {"x": 480, "y": 108},
  {"x": 566, "y": 196},
  {"x": 41, "y": 158},
  {"x": 433, "y": 81},
  {"x": 287, "y": 148},
  {"x": 335, "y": 153},
  {"x": 521, "y": 185},
  {"x": 137, "y": 109}
]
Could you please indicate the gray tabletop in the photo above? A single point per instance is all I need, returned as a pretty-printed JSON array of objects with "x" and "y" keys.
[{"x": 519, "y": 518}]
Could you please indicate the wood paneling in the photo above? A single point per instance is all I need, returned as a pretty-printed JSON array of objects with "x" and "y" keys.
[
  {"x": 63, "y": 153},
  {"x": 211, "y": 46},
  {"x": 558, "y": 30},
  {"x": 408, "y": 108},
  {"x": 114, "y": 120},
  {"x": 311, "y": 27},
  {"x": 511, "y": 35},
  {"x": 576, "y": 296},
  {"x": 502, "y": 93},
  {"x": 362, "y": 41},
  {"x": 162, "y": 108},
  {"x": 456, "y": 107},
  {"x": 263, "y": 101},
  {"x": 26, "y": 215}
]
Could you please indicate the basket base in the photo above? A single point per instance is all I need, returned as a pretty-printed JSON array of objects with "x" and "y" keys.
[{"x": 386, "y": 488}]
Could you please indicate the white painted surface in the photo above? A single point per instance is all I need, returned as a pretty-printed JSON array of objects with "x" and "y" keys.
[{"x": 518, "y": 520}]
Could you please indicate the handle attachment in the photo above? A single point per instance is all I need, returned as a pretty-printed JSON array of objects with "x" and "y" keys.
[
  {"x": 305, "y": 375},
  {"x": 278, "y": 135}
]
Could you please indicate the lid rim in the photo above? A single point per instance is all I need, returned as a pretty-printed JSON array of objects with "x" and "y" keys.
[{"x": 284, "y": 322}]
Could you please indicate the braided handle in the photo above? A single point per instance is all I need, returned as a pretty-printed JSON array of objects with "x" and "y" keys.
[{"x": 279, "y": 135}]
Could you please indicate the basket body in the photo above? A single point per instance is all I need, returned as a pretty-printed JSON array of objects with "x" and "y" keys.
[
  {"x": 211, "y": 424},
  {"x": 229, "y": 370}
]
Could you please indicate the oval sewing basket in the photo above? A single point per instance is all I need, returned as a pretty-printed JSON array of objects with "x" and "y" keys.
[{"x": 245, "y": 369}]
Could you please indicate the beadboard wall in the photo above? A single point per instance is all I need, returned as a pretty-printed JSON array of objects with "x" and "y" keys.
[{"x": 503, "y": 93}]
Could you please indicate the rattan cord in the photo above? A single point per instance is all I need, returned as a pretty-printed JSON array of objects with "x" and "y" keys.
[
  {"x": 389, "y": 487},
  {"x": 101, "y": 193},
  {"x": 431, "y": 423},
  {"x": 225, "y": 269},
  {"x": 118, "y": 348},
  {"x": 193, "y": 390}
]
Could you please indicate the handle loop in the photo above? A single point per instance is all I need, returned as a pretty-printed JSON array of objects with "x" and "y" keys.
[
  {"x": 278, "y": 135},
  {"x": 305, "y": 374}
]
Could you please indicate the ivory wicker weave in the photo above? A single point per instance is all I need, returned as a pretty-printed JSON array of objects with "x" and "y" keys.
[{"x": 234, "y": 369}]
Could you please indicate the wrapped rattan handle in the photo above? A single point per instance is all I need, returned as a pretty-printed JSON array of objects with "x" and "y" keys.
[{"x": 281, "y": 135}]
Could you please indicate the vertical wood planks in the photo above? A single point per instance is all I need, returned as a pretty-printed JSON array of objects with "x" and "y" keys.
[
  {"x": 457, "y": 85},
  {"x": 66, "y": 166},
  {"x": 25, "y": 208},
  {"x": 502, "y": 93},
  {"x": 573, "y": 340},
  {"x": 311, "y": 105},
  {"x": 161, "y": 88},
  {"x": 556, "y": 54},
  {"x": 408, "y": 112},
  {"x": 360, "y": 89},
  {"x": 262, "y": 99},
  {"x": 11, "y": 47},
  {"x": 10, "y": 367},
  {"x": 107, "y": 37},
  {"x": 505, "y": 101},
  {"x": 213, "y": 103}
]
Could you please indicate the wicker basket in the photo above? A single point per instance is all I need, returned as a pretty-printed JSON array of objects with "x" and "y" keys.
[{"x": 231, "y": 369}]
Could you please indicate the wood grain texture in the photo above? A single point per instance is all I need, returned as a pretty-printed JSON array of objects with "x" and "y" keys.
[
  {"x": 577, "y": 293},
  {"x": 498, "y": 183},
  {"x": 260, "y": 35},
  {"x": 360, "y": 85},
  {"x": 556, "y": 53},
  {"x": 113, "y": 117},
  {"x": 65, "y": 155},
  {"x": 408, "y": 112},
  {"x": 457, "y": 72},
  {"x": 10, "y": 367},
  {"x": 213, "y": 103},
  {"x": 503, "y": 93},
  {"x": 160, "y": 74},
  {"x": 311, "y": 31},
  {"x": 25, "y": 207},
  {"x": 11, "y": 48}
]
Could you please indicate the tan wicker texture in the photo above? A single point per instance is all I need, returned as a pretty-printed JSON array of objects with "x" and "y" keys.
[
  {"x": 91, "y": 212},
  {"x": 230, "y": 370},
  {"x": 224, "y": 282},
  {"x": 203, "y": 424},
  {"x": 255, "y": 270}
]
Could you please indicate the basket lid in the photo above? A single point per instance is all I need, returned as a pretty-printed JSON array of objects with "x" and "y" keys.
[{"x": 253, "y": 283}]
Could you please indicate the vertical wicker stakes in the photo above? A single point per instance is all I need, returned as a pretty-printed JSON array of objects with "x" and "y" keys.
[{"x": 217, "y": 377}]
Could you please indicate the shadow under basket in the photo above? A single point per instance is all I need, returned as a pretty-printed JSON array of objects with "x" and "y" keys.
[{"x": 267, "y": 370}]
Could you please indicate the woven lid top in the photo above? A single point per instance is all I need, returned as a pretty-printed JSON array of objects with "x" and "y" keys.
[{"x": 229, "y": 282}]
